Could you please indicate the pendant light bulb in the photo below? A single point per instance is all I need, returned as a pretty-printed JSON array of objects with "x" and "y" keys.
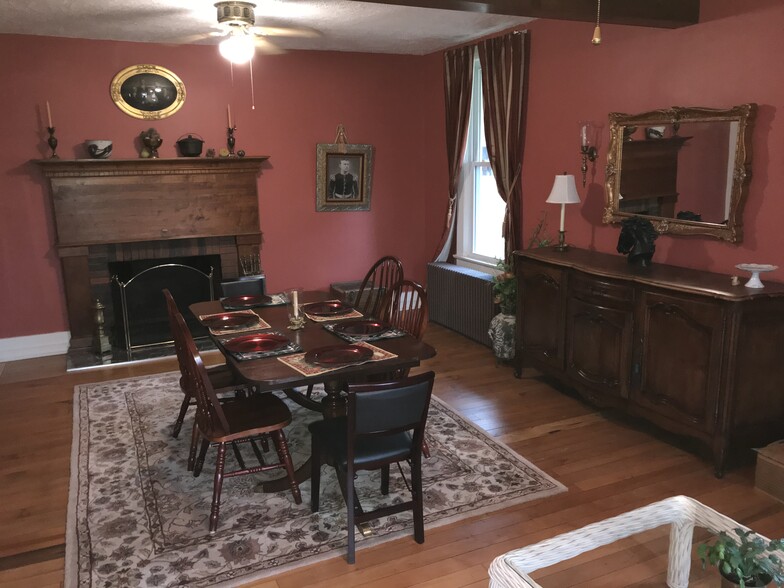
[
  {"x": 597, "y": 32},
  {"x": 238, "y": 48},
  {"x": 597, "y": 36}
]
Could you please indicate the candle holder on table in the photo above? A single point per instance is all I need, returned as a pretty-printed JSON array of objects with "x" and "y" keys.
[
  {"x": 52, "y": 141},
  {"x": 297, "y": 317}
]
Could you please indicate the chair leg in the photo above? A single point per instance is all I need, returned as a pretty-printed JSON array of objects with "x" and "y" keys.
[
  {"x": 285, "y": 458},
  {"x": 186, "y": 402},
  {"x": 350, "y": 511},
  {"x": 315, "y": 474},
  {"x": 205, "y": 445},
  {"x": 216, "y": 487},
  {"x": 425, "y": 448},
  {"x": 385, "y": 480},
  {"x": 309, "y": 393},
  {"x": 416, "y": 491},
  {"x": 194, "y": 445}
]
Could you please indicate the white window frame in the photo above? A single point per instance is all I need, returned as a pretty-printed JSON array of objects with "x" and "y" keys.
[{"x": 464, "y": 231}]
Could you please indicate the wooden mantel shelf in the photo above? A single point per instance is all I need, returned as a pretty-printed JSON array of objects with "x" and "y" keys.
[{"x": 63, "y": 168}]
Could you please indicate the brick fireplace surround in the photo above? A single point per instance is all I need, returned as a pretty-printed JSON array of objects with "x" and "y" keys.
[{"x": 114, "y": 210}]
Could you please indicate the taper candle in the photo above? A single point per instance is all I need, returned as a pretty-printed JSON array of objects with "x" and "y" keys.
[
  {"x": 228, "y": 113},
  {"x": 49, "y": 114},
  {"x": 295, "y": 303}
]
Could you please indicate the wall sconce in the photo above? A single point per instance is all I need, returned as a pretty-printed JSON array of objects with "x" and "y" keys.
[
  {"x": 564, "y": 192},
  {"x": 587, "y": 148}
]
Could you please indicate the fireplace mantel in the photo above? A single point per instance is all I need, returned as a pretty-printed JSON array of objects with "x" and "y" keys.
[{"x": 108, "y": 201}]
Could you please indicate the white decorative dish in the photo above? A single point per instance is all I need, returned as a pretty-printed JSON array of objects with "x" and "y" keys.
[{"x": 756, "y": 269}]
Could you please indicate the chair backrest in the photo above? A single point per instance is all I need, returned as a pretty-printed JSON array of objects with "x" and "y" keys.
[
  {"x": 406, "y": 308},
  {"x": 378, "y": 282},
  {"x": 173, "y": 311},
  {"x": 390, "y": 407},
  {"x": 209, "y": 415},
  {"x": 246, "y": 287}
]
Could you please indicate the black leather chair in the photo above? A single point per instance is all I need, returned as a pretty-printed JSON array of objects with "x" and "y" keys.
[{"x": 385, "y": 424}]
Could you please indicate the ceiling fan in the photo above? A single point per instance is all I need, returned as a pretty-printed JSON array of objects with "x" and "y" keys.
[{"x": 237, "y": 22}]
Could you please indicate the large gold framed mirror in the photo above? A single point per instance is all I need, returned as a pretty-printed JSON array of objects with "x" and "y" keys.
[{"x": 687, "y": 170}]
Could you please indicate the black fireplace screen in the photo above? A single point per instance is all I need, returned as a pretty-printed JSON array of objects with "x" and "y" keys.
[{"x": 141, "y": 318}]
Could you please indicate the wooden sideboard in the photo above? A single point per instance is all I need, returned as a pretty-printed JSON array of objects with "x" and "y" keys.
[{"x": 681, "y": 348}]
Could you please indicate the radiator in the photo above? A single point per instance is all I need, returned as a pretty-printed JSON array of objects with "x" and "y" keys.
[{"x": 461, "y": 299}]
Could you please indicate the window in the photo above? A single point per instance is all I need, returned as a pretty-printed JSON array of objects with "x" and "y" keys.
[{"x": 480, "y": 214}]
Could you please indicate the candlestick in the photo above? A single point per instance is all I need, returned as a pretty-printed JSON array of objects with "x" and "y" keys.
[
  {"x": 230, "y": 140},
  {"x": 52, "y": 140},
  {"x": 49, "y": 114},
  {"x": 228, "y": 114}
]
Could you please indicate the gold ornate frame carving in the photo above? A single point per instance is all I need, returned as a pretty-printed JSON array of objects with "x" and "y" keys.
[
  {"x": 147, "y": 91},
  {"x": 338, "y": 194},
  {"x": 732, "y": 230}
]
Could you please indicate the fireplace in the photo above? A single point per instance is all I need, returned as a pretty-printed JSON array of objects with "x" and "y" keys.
[
  {"x": 139, "y": 313},
  {"x": 147, "y": 210}
]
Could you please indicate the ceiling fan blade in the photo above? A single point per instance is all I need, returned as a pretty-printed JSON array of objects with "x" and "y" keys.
[
  {"x": 190, "y": 39},
  {"x": 285, "y": 32},
  {"x": 265, "y": 46}
]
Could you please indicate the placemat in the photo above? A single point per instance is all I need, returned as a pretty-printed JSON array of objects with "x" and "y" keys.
[
  {"x": 298, "y": 362},
  {"x": 388, "y": 334},
  {"x": 328, "y": 319},
  {"x": 260, "y": 326},
  {"x": 292, "y": 347}
]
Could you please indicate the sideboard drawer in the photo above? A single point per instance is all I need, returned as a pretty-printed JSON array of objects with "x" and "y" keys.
[{"x": 599, "y": 291}]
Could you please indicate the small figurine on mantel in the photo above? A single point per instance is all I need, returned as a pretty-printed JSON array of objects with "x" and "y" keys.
[
  {"x": 151, "y": 141},
  {"x": 637, "y": 240}
]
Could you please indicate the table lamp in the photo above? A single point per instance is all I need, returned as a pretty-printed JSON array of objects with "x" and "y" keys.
[{"x": 564, "y": 192}]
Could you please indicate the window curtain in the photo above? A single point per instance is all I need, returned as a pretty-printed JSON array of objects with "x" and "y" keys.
[
  {"x": 458, "y": 78},
  {"x": 504, "y": 89}
]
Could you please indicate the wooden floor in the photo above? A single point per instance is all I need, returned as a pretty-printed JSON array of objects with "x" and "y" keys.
[{"x": 609, "y": 464}]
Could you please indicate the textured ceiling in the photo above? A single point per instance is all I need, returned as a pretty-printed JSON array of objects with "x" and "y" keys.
[{"x": 342, "y": 25}]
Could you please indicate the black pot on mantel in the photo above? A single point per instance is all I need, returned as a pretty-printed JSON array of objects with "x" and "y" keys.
[{"x": 190, "y": 146}]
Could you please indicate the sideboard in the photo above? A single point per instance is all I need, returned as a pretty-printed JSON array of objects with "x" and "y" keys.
[{"x": 681, "y": 348}]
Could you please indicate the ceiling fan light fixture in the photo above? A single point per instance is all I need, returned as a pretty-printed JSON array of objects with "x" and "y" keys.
[{"x": 237, "y": 48}]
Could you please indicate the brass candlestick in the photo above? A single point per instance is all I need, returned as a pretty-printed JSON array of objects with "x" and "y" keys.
[
  {"x": 101, "y": 344},
  {"x": 588, "y": 153},
  {"x": 230, "y": 140},
  {"x": 52, "y": 140}
]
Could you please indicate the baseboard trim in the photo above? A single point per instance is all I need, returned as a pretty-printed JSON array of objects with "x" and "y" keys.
[{"x": 14, "y": 348}]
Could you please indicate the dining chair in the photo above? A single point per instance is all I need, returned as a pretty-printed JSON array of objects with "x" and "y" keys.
[
  {"x": 385, "y": 424},
  {"x": 379, "y": 280},
  {"x": 405, "y": 308},
  {"x": 245, "y": 420},
  {"x": 221, "y": 377}
]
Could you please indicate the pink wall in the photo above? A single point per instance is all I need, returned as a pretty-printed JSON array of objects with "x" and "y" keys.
[
  {"x": 732, "y": 57},
  {"x": 392, "y": 102}
]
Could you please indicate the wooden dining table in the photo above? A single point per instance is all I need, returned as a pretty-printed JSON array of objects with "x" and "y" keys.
[{"x": 269, "y": 374}]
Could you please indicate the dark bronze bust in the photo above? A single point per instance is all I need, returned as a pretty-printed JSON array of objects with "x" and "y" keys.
[{"x": 637, "y": 240}]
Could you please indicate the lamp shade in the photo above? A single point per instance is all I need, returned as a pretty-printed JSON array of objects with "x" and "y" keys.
[
  {"x": 238, "y": 48},
  {"x": 564, "y": 191}
]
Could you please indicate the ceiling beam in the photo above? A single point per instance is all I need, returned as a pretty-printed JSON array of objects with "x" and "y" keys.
[{"x": 668, "y": 14}]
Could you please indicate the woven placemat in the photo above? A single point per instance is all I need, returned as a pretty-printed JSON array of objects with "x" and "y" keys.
[
  {"x": 298, "y": 362},
  {"x": 261, "y": 325}
]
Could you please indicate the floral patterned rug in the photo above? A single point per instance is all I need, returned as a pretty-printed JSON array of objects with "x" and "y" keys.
[{"x": 137, "y": 517}]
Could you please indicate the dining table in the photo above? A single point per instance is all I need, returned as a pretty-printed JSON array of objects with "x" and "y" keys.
[{"x": 268, "y": 374}]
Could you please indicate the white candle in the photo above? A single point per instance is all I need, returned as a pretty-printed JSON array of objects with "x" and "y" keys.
[
  {"x": 49, "y": 114},
  {"x": 584, "y": 136},
  {"x": 295, "y": 303},
  {"x": 228, "y": 114},
  {"x": 563, "y": 213}
]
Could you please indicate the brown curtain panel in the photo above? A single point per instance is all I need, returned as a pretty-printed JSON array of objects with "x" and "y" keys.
[
  {"x": 504, "y": 90},
  {"x": 458, "y": 78}
]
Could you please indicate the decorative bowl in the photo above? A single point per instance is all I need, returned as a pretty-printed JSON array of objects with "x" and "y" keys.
[{"x": 98, "y": 148}]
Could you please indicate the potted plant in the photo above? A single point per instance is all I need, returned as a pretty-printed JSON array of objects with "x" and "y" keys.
[
  {"x": 745, "y": 561},
  {"x": 502, "y": 327}
]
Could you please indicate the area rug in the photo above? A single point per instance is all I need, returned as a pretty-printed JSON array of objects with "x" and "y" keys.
[{"x": 137, "y": 517}]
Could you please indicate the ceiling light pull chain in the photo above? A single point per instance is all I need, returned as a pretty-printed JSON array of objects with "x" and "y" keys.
[
  {"x": 252, "y": 91},
  {"x": 597, "y": 32}
]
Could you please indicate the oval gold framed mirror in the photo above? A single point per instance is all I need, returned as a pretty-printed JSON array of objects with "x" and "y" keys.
[
  {"x": 687, "y": 170},
  {"x": 148, "y": 91}
]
